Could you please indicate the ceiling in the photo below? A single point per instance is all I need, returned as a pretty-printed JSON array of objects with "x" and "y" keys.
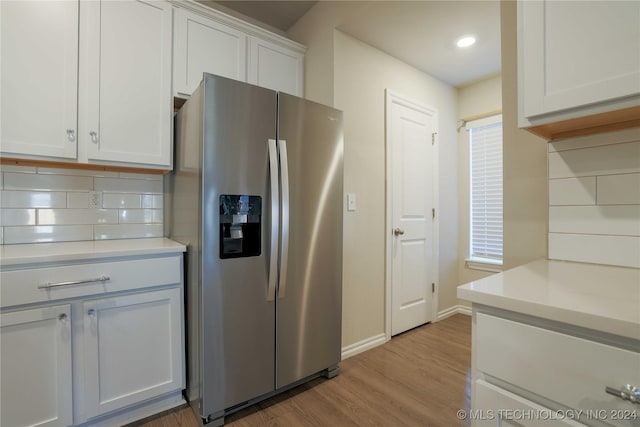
[
  {"x": 279, "y": 14},
  {"x": 420, "y": 33}
]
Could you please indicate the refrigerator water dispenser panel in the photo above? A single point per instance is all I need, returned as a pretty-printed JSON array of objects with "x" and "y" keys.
[{"x": 240, "y": 226}]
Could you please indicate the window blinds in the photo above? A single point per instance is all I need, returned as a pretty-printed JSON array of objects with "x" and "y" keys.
[{"x": 485, "y": 137}]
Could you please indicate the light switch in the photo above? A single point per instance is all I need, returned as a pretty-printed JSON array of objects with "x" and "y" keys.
[{"x": 351, "y": 201}]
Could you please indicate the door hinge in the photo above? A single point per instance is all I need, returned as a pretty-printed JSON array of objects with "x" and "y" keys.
[
  {"x": 433, "y": 138},
  {"x": 433, "y": 288},
  {"x": 433, "y": 213}
]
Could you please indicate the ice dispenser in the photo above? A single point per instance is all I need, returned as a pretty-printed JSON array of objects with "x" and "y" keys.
[{"x": 240, "y": 226}]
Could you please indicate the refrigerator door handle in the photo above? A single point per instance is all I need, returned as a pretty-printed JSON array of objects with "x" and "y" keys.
[
  {"x": 284, "y": 255},
  {"x": 275, "y": 218}
]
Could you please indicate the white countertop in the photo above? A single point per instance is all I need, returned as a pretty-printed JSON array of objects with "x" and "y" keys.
[
  {"x": 34, "y": 253},
  {"x": 598, "y": 297}
]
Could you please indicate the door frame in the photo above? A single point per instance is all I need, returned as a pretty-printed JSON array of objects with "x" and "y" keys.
[{"x": 392, "y": 97}]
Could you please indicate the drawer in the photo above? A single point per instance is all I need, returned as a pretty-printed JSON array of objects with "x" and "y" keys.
[
  {"x": 562, "y": 368},
  {"x": 494, "y": 406},
  {"x": 23, "y": 286}
]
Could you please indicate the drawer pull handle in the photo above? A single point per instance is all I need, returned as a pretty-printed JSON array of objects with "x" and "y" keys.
[
  {"x": 75, "y": 282},
  {"x": 626, "y": 392}
]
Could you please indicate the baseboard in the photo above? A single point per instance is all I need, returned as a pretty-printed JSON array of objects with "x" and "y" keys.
[
  {"x": 364, "y": 345},
  {"x": 456, "y": 309},
  {"x": 130, "y": 416}
]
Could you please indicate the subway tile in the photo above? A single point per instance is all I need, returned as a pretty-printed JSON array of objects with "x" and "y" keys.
[
  {"x": 47, "y": 182},
  {"x": 11, "y": 217},
  {"x": 152, "y": 201},
  {"x": 78, "y": 200},
  {"x": 127, "y": 231},
  {"x": 47, "y": 233},
  {"x": 147, "y": 176},
  {"x": 77, "y": 216},
  {"x": 122, "y": 185},
  {"x": 612, "y": 220},
  {"x": 572, "y": 191},
  {"x": 140, "y": 216},
  {"x": 597, "y": 249},
  {"x": 16, "y": 168},
  {"x": 76, "y": 172},
  {"x": 117, "y": 200},
  {"x": 619, "y": 189},
  {"x": 33, "y": 199},
  {"x": 606, "y": 160}
]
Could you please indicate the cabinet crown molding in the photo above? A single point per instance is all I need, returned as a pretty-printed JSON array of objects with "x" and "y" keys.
[{"x": 246, "y": 27}]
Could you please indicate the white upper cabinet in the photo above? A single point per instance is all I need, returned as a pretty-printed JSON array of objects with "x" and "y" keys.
[
  {"x": 275, "y": 67},
  {"x": 125, "y": 81},
  {"x": 88, "y": 81},
  {"x": 209, "y": 41},
  {"x": 577, "y": 59},
  {"x": 39, "y": 84},
  {"x": 202, "y": 44}
]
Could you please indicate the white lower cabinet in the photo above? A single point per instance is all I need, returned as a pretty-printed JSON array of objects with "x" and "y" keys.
[
  {"x": 533, "y": 371},
  {"x": 132, "y": 346},
  {"x": 35, "y": 367},
  {"x": 111, "y": 354}
]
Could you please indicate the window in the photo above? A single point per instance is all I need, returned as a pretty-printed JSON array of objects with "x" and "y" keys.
[{"x": 485, "y": 237}]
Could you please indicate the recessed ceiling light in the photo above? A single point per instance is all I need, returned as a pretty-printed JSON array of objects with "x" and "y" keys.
[{"x": 466, "y": 41}]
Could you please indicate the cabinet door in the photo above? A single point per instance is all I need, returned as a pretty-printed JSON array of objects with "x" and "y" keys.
[
  {"x": 35, "y": 361},
  {"x": 39, "y": 80},
  {"x": 133, "y": 349},
  {"x": 573, "y": 54},
  {"x": 125, "y": 81},
  {"x": 204, "y": 45},
  {"x": 275, "y": 67}
]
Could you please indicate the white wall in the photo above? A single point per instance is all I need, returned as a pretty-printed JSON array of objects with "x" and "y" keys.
[
  {"x": 52, "y": 205},
  {"x": 524, "y": 163},
  {"x": 594, "y": 199},
  {"x": 359, "y": 75},
  {"x": 480, "y": 97}
]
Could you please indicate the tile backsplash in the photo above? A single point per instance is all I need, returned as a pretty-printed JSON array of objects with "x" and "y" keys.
[
  {"x": 59, "y": 205},
  {"x": 594, "y": 199}
]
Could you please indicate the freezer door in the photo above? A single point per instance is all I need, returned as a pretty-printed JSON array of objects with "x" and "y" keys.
[
  {"x": 309, "y": 297},
  {"x": 238, "y": 317}
]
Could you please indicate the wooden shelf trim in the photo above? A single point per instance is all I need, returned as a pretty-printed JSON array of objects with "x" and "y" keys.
[
  {"x": 597, "y": 123},
  {"x": 81, "y": 166}
]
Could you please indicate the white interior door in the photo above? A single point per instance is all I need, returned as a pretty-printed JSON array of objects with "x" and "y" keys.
[{"x": 411, "y": 130}]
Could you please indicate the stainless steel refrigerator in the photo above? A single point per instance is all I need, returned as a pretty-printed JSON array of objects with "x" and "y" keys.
[{"x": 256, "y": 195}]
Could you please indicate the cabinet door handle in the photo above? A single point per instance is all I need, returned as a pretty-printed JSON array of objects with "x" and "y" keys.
[
  {"x": 75, "y": 282},
  {"x": 71, "y": 135},
  {"x": 626, "y": 392},
  {"x": 62, "y": 317},
  {"x": 94, "y": 136},
  {"x": 91, "y": 312}
]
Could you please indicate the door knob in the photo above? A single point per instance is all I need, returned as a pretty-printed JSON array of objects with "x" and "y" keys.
[{"x": 398, "y": 232}]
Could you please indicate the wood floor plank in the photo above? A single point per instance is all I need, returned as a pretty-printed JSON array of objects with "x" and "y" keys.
[{"x": 419, "y": 378}]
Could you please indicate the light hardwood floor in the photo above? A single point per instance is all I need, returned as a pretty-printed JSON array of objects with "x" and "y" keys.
[{"x": 419, "y": 378}]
